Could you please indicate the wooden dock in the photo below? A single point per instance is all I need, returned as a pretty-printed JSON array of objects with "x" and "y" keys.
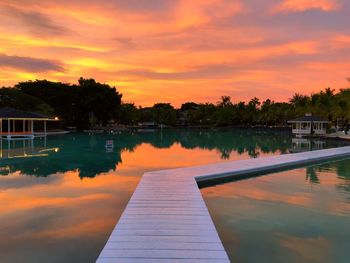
[{"x": 166, "y": 219}]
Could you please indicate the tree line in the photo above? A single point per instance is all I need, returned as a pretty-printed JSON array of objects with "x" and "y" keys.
[
  {"x": 90, "y": 103},
  {"x": 80, "y": 105},
  {"x": 331, "y": 105}
]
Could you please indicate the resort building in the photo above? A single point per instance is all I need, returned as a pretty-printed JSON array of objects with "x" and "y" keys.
[
  {"x": 309, "y": 125},
  {"x": 20, "y": 124}
]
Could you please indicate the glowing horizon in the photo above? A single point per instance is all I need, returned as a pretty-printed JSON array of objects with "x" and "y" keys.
[{"x": 179, "y": 50}]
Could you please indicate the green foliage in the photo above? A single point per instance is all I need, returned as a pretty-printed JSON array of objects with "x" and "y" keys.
[
  {"x": 92, "y": 120},
  {"x": 146, "y": 114},
  {"x": 45, "y": 109},
  {"x": 74, "y": 104},
  {"x": 325, "y": 103},
  {"x": 225, "y": 112},
  {"x": 129, "y": 114},
  {"x": 342, "y": 105},
  {"x": 164, "y": 113},
  {"x": 203, "y": 115},
  {"x": 189, "y": 106},
  {"x": 13, "y": 97},
  {"x": 90, "y": 103}
]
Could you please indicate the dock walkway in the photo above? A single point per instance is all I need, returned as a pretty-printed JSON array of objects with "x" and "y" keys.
[{"x": 166, "y": 219}]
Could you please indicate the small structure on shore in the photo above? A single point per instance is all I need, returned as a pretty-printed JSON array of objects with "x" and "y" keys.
[
  {"x": 309, "y": 125},
  {"x": 148, "y": 124},
  {"x": 20, "y": 124}
]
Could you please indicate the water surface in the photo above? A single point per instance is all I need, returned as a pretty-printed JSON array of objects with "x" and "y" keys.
[
  {"x": 302, "y": 215},
  {"x": 60, "y": 197}
]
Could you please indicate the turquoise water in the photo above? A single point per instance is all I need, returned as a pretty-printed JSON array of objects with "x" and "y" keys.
[
  {"x": 60, "y": 197},
  {"x": 302, "y": 215}
]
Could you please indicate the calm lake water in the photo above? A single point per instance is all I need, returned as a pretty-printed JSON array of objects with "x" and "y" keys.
[
  {"x": 301, "y": 215},
  {"x": 60, "y": 197}
]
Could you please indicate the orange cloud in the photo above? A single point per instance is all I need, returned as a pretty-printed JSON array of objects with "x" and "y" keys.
[{"x": 302, "y": 5}]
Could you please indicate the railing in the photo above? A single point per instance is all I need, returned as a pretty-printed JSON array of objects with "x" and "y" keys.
[
  {"x": 308, "y": 131},
  {"x": 301, "y": 131},
  {"x": 10, "y": 135}
]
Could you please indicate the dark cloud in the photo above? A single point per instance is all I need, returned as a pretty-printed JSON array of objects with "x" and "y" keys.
[
  {"x": 126, "y": 5},
  {"x": 295, "y": 24},
  {"x": 145, "y": 5},
  {"x": 125, "y": 41},
  {"x": 37, "y": 23},
  {"x": 30, "y": 64}
]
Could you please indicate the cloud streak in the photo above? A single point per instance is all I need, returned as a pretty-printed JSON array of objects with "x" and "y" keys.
[
  {"x": 30, "y": 64},
  {"x": 302, "y": 5},
  {"x": 37, "y": 23}
]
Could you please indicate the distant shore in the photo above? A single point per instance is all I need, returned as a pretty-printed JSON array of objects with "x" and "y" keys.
[{"x": 334, "y": 136}]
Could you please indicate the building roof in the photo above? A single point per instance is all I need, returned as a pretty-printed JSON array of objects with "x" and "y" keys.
[
  {"x": 9, "y": 113},
  {"x": 309, "y": 118}
]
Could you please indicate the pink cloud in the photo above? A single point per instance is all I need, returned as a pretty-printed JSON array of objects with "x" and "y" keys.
[{"x": 302, "y": 5}]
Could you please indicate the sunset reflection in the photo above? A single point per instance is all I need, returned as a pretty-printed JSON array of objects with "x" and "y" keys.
[
  {"x": 280, "y": 210},
  {"x": 65, "y": 204},
  {"x": 60, "y": 210}
]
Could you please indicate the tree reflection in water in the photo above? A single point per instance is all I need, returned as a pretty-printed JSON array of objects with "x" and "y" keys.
[{"x": 87, "y": 154}]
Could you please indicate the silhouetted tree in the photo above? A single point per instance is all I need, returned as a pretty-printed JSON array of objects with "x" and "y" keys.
[
  {"x": 164, "y": 113},
  {"x": 74, "y": 104}
]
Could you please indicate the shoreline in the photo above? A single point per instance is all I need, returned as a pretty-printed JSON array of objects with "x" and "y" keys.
[
  {"x": 331, "y": 136},
  {"x": 133, "y": 128}
]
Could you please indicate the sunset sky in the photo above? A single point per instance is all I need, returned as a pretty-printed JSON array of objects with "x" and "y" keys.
[{"x": 179, "y": 50}]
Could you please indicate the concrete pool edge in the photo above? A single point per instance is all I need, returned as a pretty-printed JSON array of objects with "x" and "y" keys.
[
  {"x": 166, "y": 219},
  {"x": 248, "y": 173}
]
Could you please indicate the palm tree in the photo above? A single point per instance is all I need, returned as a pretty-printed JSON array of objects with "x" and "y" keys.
[
  {"x": 299, "y": 100},
  {"x": 225, "y": 101}
]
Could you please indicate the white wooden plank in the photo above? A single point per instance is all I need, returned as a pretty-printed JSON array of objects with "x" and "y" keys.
[
  {"x": 164, "y": 245},
  {"x": 164, "y": 253},
  {"x": 159, "y": 260},
  {"x": 187, "y": 239}
]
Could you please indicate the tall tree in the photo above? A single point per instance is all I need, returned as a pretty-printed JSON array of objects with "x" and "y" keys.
[{"x": 164, "y": 113}]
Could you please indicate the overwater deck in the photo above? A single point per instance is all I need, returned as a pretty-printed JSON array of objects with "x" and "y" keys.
[{"x": 166, "y": 219}]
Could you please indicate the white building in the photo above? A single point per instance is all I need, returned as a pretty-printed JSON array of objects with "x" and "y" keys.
[
  {"x": 20, "y": 124},
  {"x": 309, "y": 125}
]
